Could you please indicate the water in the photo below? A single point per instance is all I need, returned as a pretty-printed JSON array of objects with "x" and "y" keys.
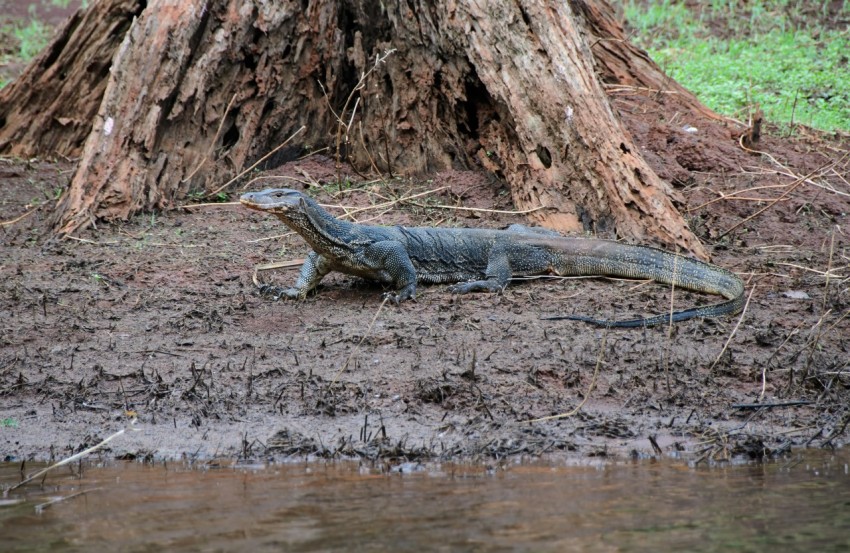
[{"x": 801, "y": 503}]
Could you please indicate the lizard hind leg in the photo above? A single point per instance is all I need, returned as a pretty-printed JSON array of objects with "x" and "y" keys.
[{"x": 496, "y": 277}]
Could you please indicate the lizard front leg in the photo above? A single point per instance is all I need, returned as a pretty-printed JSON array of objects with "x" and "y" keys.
[
  {"x": 312, "y": 272},
  {"x": 392, "y": 258}
]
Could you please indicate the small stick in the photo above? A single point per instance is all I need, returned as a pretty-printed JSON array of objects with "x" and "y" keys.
[
  {"x": 589, "y": 388},
  {"x": 279, "y": 265},
  {"x": 823, "y": 308},
  {"x": 68, "y": 460},
  {"x": 259, "y": 161},
  {"x": 734, "y": 196},
  {"x": 42, "y": 506},
  {"x": 826, "y": 167},
  {"x": 16, "y": 219},
  {"x": 480, "y": 209},
  {"x": 368, "y": 154},
  {"x": 841, "y": 318},
  {"x": 361, "y": 84},
  {"x": 792, "y": 403},
  {"x": 209, "y": 204},
  {"x": 215, "y": 137},
  {"x": 623, "y": 88},
  {"x": 828, "y": 274},
  {"x": 670, "y": 326},
  {"x": 87, "y": 241},
  {"x": 734, "y": 330},
  {"x": 314, "y": 152},
  {"x": 362, "y": 338},
  {"x": 307, "y": 184},
  {"x": 271, "y": 237},
  {"x": 385, "y": 204},
  {"x": 790, "y": 189},
  {"x": 774, "y": 354}
]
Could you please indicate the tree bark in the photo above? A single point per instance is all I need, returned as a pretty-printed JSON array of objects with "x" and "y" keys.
[
  {"x": 50, "y": 108},
  {"x": 200, "y": 89}
]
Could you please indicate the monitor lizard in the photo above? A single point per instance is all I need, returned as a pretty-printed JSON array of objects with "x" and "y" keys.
[{"x": 476, "y": 260}]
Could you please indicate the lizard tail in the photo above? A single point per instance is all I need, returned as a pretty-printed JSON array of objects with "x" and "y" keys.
[
  {"x": 613, "y": 259},
  {"x": 716, "y": 310}
]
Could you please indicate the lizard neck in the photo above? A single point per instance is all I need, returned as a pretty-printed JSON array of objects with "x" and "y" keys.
[{"x": 324, "y": 232}]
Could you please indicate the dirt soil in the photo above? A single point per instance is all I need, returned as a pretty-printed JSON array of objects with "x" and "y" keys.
[{"x": 155, "y": 325}]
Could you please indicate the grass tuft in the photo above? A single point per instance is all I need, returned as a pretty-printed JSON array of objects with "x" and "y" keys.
[{"x": 791, "y": 58}]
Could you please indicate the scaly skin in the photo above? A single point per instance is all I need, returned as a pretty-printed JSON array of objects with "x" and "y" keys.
[{"x": 482, "y": 259}]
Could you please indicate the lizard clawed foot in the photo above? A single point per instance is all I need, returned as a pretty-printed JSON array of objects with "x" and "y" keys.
[
  {"x": 457, "y": 289},
  {"x": 395, "y": 298},
  {"x": 391, "y": 297},
  {"x": 476, "y": 286},
  {"x": 277, "y": 292}
]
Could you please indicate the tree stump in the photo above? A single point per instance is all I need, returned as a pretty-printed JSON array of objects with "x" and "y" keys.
[{"x": 200, "y": 89}]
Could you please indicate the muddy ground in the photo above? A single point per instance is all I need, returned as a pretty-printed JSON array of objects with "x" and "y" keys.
[{"x": 155, "y": 325}]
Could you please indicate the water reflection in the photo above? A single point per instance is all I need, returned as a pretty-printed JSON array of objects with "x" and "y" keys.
[{"x": 800, "y": 503}]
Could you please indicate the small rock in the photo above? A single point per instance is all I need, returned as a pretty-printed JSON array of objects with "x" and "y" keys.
[{"x": 796, "y": 295}]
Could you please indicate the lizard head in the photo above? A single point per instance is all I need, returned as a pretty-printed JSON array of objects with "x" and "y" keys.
[{"x": 273, "y": 200}]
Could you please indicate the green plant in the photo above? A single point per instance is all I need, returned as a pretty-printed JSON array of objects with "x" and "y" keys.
[
  {"x": 8, "y": 422},
  {"x": 787, "y": 57},
  {"x": 33, "y": 38}
]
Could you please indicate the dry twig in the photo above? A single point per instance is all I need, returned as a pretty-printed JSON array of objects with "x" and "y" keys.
[
  {"x": 362, "y": 339},
  {"x": 259, "y": 161},
  {"x": 19, "y": 218},
  {"x": 68, "y": 460},
  {"x": 215, "y": 138},
  {"x": 734, "y": 330},
  {"x": 589, "y": 388}
]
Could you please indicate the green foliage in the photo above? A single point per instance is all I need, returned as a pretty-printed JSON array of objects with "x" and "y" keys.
[
  {"x": 791, "y": 61},
  {"x": 8, "y": 422},
  {"x": 201, "y": 196},
  {"x": 32, "y": 37}
]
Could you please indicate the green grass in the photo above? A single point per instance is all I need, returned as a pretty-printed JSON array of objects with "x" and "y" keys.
[
  {"x": 793, "y": 63},
  {"x": 21, "y": 41},
  {"x": 33, "y": 38},
  {"x": 8, "y": 422}
]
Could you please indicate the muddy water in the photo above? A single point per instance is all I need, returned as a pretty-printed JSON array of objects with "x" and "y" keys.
[{"x": 801, "y": 503}]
